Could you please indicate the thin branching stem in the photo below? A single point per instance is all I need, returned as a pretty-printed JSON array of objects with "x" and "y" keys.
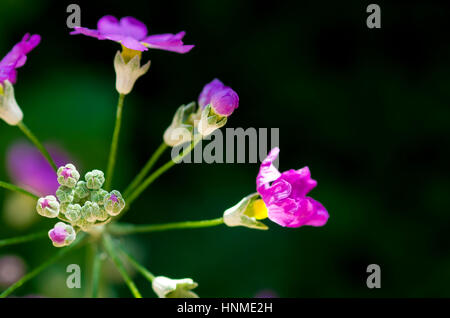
[
  {"x": 96, "y": 271},
  {"x": 148, "y": 166},
  {"x": 114, "y": 143},
  {"x": 141, "y": 269},
  {"x": 13, "y": 187},
  {"x": 151, "y": 178},
  {"x": 37, "y": 143},
  {"x": 125, "y": 229},
  {"x": 109, "y": 248},
  {"x": 22, "y": 239}
]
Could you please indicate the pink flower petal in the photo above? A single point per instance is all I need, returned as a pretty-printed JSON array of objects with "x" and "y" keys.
[
  {"x": 168, "y": 42},
  {"x": 285, "y": 195},
  {"x": 17, "y": 57}
]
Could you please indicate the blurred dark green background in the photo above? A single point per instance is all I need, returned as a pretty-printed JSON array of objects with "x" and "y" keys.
[{"x": 366, "y": 110}]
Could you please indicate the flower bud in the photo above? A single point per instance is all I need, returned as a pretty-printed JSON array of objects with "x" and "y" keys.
[
  {"x": 62, "y": 234},
  {"x": 128, "y": 72},
  {"x": 64, "y": 194},
  {"x": 68, "y": 175},
  {"x": 73, "y": 212},
  {"x": 94, "y": 179},
  {"x": 48, "y": 206},
  {"x": 225, "y": 101},
  {"x": 208, "y": 91},
  {"x": 101, "y": 214},
  {"x": 10, "y": 112},
  {"x": 84, "y": 224},
  {"x": 98, "y": 196},
  {"x": 63, "y": 207},
  {"x": 246, "y": 213},
  {"x": 90, "y": 211},
  {"x": 81, "y": 190},
  {"x": 210, "y": 121},
  {"x": 174, "y": 288},
  {"x": 114, "y": 203},
  {"x": 182, "y": 126}
]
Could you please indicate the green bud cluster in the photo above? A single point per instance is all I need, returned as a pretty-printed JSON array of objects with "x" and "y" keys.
[{"x": 82, "y": 202}]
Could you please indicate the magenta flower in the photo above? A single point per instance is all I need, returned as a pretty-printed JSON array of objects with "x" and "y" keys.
[
  {"x": 17, "y": 57},
  {"x": 29, "y": 169},
  {"x": 223, "y": 99},
  {"x": 285, "y": 195},
  {"x": 132, "y": 34}
]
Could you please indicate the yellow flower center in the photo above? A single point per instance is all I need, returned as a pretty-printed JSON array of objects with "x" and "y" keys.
[
  {"x": 1, "y": 89},
  {"x": 128, "y": 54},
  {"x": 257, "y": 209}
]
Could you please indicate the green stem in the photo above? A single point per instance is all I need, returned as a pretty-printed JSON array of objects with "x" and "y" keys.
[
  {"x": 40, "y": 268},
  {"x": 148, "y": 166},
  {"x": 109, "y": 247},
  {"x": 37, "y": 143},
  {"x": 13, "y": 187},
  {"x": 141, "y": 269},
  {"x": 96, "y": 269},
  {"x": 141, "y": 188},
  {"x": 22, "y": 239},
  {"x": 124, "y": 229},
  {"x": 114, "y": 143}
]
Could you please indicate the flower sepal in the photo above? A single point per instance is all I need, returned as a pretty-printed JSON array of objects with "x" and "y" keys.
[
  {"x": 10, "y": 111},
  {"x": 127, "y": 72},
  {"x": 210, "y": 121},
  {"x": 247, "y": 213},
  {"x": 182, "y": 126},
  {"x": 166, "y": 287}
]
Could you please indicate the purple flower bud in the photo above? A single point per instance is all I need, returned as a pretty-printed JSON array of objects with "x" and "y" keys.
[
  {"x": 62, "y": 234},
  {"x": 210, "y": 89},
  {"x": 222, "y": 98},
  {"x": 58, "y": 235},
  {"x": 225, "y": 101},
  {"x": 114, "y": 203}
]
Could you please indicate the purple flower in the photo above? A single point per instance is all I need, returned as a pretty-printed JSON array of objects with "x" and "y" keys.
[
  {"x": 29, "y": 169},
  {"x": 223, "y": 99},
  {"x": 132, "y": 34},
  {"x": 17, "y": 57},
  {"x": 285, "y": 195}
]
